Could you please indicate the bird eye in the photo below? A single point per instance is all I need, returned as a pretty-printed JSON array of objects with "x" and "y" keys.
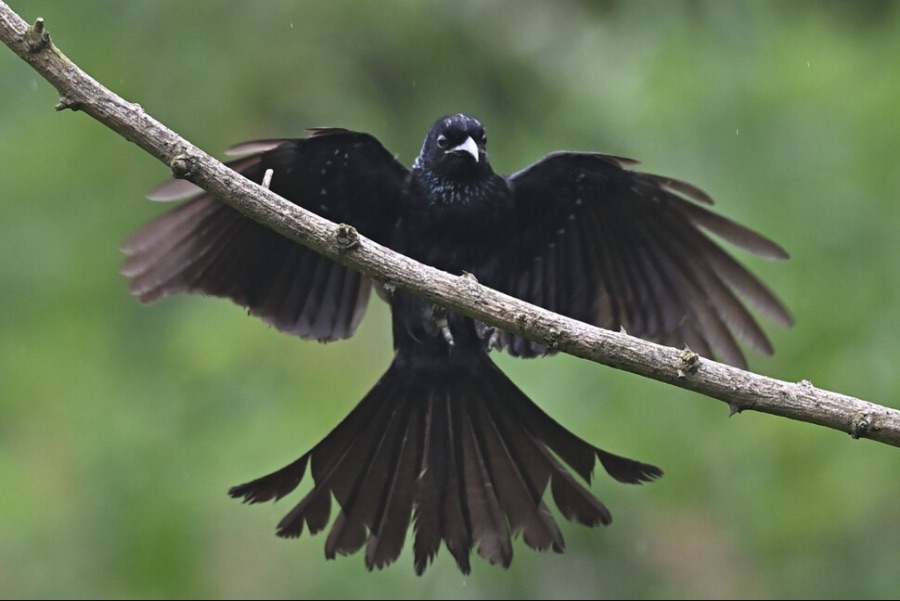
[{"x": 442, "y": 141}]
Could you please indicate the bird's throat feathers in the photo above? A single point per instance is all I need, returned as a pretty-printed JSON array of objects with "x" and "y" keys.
[{"x": 437, "y": 190}]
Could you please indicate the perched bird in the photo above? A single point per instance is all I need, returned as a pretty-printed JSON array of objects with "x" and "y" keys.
[{"x": 445, "y": 440}]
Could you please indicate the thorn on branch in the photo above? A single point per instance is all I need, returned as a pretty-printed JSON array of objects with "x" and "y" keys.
[
  {"x": 470, "y": 286},
  {"x": 521, "y": 321},
  {"x": 859, "y": 427},
  {"x": 556, "y": 336},
  {"x": 346, "y": 238},
  {"x": 36, "y": 37},
  {"x": 67, "y": 103},
  {"x": 182, "y": 166},
  {"x": 690, "y": 363}
]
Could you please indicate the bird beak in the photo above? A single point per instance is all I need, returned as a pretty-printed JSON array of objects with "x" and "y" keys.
[{"x": 468, "y": 146}]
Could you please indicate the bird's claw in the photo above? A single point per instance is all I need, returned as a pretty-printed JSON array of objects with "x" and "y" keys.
[
  {"x": 439, "y": 315},
  {"x": 489, "y": 333}
]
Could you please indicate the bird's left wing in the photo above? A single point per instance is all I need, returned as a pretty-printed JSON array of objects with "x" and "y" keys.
[
  {"x": 628, "y": 250},
  {"x": 206, "y": 246}
]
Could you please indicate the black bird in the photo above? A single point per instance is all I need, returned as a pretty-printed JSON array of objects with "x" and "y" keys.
[{"x": 445, "y": 439}]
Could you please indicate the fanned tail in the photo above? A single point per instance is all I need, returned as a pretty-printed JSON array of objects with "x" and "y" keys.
[{"x": 458, "y": 450}]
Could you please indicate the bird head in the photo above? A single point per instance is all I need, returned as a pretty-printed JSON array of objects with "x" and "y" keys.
[{"x": 455, "y": 149}]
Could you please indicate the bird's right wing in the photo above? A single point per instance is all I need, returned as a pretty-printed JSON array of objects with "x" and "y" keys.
[{"x": 207, "y": 247}]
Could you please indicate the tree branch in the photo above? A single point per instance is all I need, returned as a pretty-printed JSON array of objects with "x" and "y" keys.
[{"x": 740, "y": 389}]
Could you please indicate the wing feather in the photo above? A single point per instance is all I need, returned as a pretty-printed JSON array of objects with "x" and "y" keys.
[
  {"x": 628, "y": 250},
  {"x": 207, "y": 247}
]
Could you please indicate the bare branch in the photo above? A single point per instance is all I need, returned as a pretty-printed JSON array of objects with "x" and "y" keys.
[{"x": 740, "y": 389}]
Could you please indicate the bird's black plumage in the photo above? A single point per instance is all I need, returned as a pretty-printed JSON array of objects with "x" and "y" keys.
[{"x": 444, "y": 440}]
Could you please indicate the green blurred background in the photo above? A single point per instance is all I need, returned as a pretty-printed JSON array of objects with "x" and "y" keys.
[{"x": 121, "y": 426}]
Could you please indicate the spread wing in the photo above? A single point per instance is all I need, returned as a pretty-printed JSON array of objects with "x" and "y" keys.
[
  {"x": 627, "y": 250},
  {"x": 206, "y": 246}
]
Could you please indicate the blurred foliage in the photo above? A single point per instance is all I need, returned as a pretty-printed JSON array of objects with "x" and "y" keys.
[{"x": 121, "y": 427}]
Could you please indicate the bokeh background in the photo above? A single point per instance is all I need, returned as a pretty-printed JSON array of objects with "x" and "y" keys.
[{"x": 121, "y": 426}]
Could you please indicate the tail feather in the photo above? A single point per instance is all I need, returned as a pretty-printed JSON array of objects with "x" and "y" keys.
[
  {"x": 447, "y": 465},
  {"x": 627, "y": 470},
  {"x": 346, "y": 537},
  {"x": 489, "y": 525},
  {"x": 275, "y": 485},
  {"x": 519, "y": 480},
  {"x": 378, "y": 470},
  {"x": 314, "y": 510},
  {"x": 352, "y": 465},
  {"x": 327, "y": 458},
  {"x": 391, "y": 520},
  {"x": 574, "y": 501},
  {"x": 457, "y": 451},
  {"x": 429, "y": 506}
]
